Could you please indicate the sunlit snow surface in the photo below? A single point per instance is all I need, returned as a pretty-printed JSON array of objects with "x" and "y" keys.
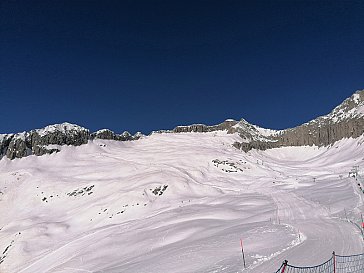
[{"x": 178, "y": 203}]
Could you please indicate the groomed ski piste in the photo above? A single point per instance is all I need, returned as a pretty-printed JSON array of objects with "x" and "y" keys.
[{"x": 179, "y": 203}]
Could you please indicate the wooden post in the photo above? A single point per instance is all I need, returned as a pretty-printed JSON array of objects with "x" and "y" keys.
[{"x": 242, "y": 251}]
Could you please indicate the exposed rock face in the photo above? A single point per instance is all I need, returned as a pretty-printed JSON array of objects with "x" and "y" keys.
[
  {"x": 136, "y": 136},
  {"x": 42, "y": 141},
  {"x": 17, "y": 147},
  {"x": 324, "y": 134},
  {"x": 201, "y": 128},
  {"x": 41, "y": 150},
  {"x": 108, "y": 134},
  {"x": 60, "y": 134},
  {"x": 104, "y": 134},
  {"x": 4, "y": 143},
  {"x": 346, "y": 120},
  {"x": 49, "y": 140},
  {"x": 126, "y": 136}
]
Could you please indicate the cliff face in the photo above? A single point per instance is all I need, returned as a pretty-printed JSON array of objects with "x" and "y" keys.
[
  {"x": 201, "y": 128},
  {"x": 345, "y": 121},
  {"x": 49, "y": 139},
  {"x": 43, "y": 141},
  {"x": 322, "y": 135}
]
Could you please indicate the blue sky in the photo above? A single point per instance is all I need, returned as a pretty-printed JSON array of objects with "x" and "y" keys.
[{"x": 149, "y": 65}]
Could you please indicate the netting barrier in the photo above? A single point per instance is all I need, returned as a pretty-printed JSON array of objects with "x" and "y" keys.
[
  {"x": 353, "y": 263},
  {"x": 336, "y": 264}
]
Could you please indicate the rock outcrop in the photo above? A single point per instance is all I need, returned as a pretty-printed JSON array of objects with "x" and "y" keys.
[
  {"x": 18, "y": 146},
  {"x": 104, "y": 134},
  {"x": 110, "y": 135},
  {"x": 202, "y": 128}
]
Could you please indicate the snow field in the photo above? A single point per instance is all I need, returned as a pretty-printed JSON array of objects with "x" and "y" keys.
[{"x": 177, "y": 203}]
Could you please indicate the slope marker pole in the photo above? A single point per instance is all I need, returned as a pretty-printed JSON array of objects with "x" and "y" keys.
[
  {"x": 242, "y": 251},
  {"x": 284, "y": 266},
  {"x": 334, "y": 260}
]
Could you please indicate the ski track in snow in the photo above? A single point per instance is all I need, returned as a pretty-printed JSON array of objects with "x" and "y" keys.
[{"x": 161, "y": 204}]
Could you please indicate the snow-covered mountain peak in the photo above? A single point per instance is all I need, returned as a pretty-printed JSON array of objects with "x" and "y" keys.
[
  {"x": 350, "y": 108},
  {"x": 103, "y": 131},
  {"x": 245, "y": 125},
  {"x": 64, "y": 127}
]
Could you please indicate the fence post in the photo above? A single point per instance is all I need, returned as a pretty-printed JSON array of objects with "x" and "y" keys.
[
  {"x": 334, "y": 260},
  {"x": 284, "y": 266}
]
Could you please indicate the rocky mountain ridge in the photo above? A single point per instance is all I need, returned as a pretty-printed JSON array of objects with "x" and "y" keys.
[
  {"x": 48, "y": 140},
  {"x": 345, "y": 121}
]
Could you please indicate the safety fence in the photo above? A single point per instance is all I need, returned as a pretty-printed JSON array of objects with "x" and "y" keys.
[{"x": 336, "y": 264}]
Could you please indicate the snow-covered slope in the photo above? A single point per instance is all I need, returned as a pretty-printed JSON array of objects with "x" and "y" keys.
[{"x": 178, "y": 202}]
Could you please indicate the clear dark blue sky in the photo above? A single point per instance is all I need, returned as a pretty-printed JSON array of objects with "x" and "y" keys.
[{"x": 147, "y": 65}]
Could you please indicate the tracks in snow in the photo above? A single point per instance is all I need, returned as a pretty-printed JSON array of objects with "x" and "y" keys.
[{"x": 324, "y": 233}]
